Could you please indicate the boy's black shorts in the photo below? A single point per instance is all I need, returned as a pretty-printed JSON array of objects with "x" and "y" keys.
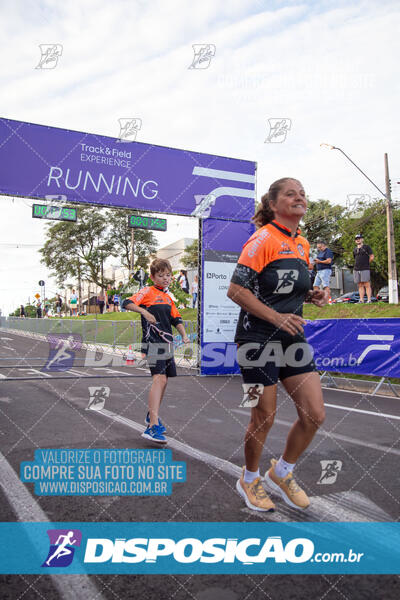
[
  {"x": 164, "y": 364},
  {"x": 164, "y": 367},
  {"x": 275, "y": 359}
]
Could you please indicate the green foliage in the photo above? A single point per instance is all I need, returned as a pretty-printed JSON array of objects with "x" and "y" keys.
[
  {"x": 85, "y": 245},
  {"x": 190, "y": 258},
  {"x": 145, "y": 241},
  {"x": 321, "y": 222},
  {"x": 372, "y": 225}
]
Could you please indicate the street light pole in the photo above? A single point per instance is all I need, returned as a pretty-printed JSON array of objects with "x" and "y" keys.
[{"x": 392, "y": 272}]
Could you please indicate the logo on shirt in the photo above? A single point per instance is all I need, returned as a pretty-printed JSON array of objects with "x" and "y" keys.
[
  {"x": 300, "y": 249},
  {"x": 287, "y": 279},
  {"x": 285, "y": 249}
]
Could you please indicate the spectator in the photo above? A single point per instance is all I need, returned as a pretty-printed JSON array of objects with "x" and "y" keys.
[
  {"x": 74, "y": 304},
  {"x": 110, "y": 298},
  {"x": 183, "y": 281},
  {"x": 195, "y": 290},
  {"x": 323, "y": 263},
  {"x": 39, "y": 309},
  {"x": 101, "y": 300},
  {"x": 362, "y": 276},
  {"x": 141, "y": 277},
  {"x": 58, "y": 305},
  {"x": 46, "y": 307},
  {"x": 22, "y": 311},
  {"x": 117, "y": 301}
]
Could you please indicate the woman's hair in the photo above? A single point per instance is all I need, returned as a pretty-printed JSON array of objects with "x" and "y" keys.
[{"x": 264, "y": 213}]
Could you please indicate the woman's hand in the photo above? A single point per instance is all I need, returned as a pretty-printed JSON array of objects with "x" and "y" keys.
[
  {"x": 319, "y": 297},
  {"x": 289, "y": 322},
  {"x": 186, "y": 340}
]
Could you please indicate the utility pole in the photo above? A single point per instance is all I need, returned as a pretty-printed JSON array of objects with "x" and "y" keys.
[
  {"x": 392, "y": 271},
  {"x": 132, "y": 251}
]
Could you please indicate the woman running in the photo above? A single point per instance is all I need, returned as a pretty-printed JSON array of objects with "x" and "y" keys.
[{"x": 270, "y": 284}]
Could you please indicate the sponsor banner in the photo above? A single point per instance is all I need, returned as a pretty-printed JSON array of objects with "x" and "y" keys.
[
  {"x": 221, "y": 246},
  {"x": 99, "y": 472},
  {"x": 361, "y": 346},
  {"x": 200, "y": 548},
  {"x": 39, "y": 161}
]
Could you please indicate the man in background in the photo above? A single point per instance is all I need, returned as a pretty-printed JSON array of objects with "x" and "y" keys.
[
  {"x": 363, "y": 257},
  {"x": 323, "y": 263}
]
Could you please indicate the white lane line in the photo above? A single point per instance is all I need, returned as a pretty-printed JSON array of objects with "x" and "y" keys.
[
  {"x": 218, "y": 463},
  {"x": 364, "y": 412},
  {"x": 336, "y": 436},
  {"x": 331, "y": 510},
  {"x": 74, "y": 587}
]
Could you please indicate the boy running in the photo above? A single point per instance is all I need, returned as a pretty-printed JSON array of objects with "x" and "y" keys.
[{"x": 158, "y": 312}]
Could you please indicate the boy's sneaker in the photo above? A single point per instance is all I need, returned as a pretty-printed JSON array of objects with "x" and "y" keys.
[
  {"x": 154, "y": 435},
  {"x": 286, "y": 487},
  {"x": 160, "y": 424},
  {"x": 254, "y": 494}
]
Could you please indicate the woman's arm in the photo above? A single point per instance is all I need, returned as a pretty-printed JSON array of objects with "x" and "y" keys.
[{"x": 288, "y": 322}]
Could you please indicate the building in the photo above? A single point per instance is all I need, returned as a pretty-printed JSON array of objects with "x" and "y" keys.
[{"x": 174, "y": 252}]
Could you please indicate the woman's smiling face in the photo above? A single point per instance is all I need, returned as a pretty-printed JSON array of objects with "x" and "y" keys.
[{"x": 291, "y": 200}]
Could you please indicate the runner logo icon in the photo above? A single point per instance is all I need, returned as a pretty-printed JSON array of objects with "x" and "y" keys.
[
  {"x": 62, "y": 351},
  {"x": 62, "y": 547},
  {"x": 287, "y": 279},
  {"x": 330, "y": 470}
]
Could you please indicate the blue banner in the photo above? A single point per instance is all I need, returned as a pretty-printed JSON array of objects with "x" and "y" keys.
[
  {"x": 200, "y": 548},
  {"x": 39, "y": 161},
  {"x": 361, "y": 346}
]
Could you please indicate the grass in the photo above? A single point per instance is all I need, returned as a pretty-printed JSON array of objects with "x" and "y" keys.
[
  {"x": 377, "y": 310},
  {"x": 188, "y": 314}
]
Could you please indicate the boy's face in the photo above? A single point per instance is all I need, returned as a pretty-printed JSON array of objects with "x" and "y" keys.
[{"x": 162, "y": 278}]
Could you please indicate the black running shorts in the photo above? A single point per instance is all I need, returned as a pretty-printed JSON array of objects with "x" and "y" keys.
[
  {"x": 266, "y": 362},
  {"x": 163, "y": 367}
]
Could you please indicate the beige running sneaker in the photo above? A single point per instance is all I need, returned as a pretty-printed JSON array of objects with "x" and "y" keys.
[
  {"x": 254, "y": 494},
  {"x": 286, "y": 487}
]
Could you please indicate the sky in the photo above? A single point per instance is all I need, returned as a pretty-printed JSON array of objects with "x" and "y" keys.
[{"x": 328, "y": 68}]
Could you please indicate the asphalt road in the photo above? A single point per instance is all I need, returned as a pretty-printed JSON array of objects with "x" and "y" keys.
[{"x": 201, "y": 414}]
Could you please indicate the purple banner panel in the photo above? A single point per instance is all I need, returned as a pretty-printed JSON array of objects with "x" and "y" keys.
[
  {"x": 39, "y": 161},
  {"x": 361, "y": 346},
  {"x": 221, "y": 247}
]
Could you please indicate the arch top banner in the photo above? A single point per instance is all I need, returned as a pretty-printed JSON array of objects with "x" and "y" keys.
[{"x": 39, "y": 161}]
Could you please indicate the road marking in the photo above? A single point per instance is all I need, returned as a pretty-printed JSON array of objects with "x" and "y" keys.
[
  {"x": 364, "y": 412},
  {"x": 218, "y": 463},
  {"x": 332, "y": 508},
  {"x": 79, "y": 587},
  {"x": 336, "y": 436}
]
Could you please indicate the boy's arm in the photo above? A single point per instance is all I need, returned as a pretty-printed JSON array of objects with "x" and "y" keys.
[
  {"x": 176, "y": 321},
  {"x": 129, "y": 305},
  {"x": 181, "y": 328}
]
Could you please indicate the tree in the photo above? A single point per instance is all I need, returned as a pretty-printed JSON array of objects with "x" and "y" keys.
[
  {"x": 322, "y": 222},
  {"x": 372, "y": 225},
  {"x": 145, "y": 242},
  {"x": 190, "y": 257},
  {"x": 73, "y": 248}
]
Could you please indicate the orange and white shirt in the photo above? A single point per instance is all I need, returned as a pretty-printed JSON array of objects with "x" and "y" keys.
[{"x": 274, "y": 267}]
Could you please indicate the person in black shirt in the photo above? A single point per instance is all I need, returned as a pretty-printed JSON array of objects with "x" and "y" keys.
[{"x": 363, "y": 257}]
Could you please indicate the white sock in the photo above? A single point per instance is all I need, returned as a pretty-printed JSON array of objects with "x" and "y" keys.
[
  {"x": 250, "y": 476},
  {"x": 283, "y": 468}
]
